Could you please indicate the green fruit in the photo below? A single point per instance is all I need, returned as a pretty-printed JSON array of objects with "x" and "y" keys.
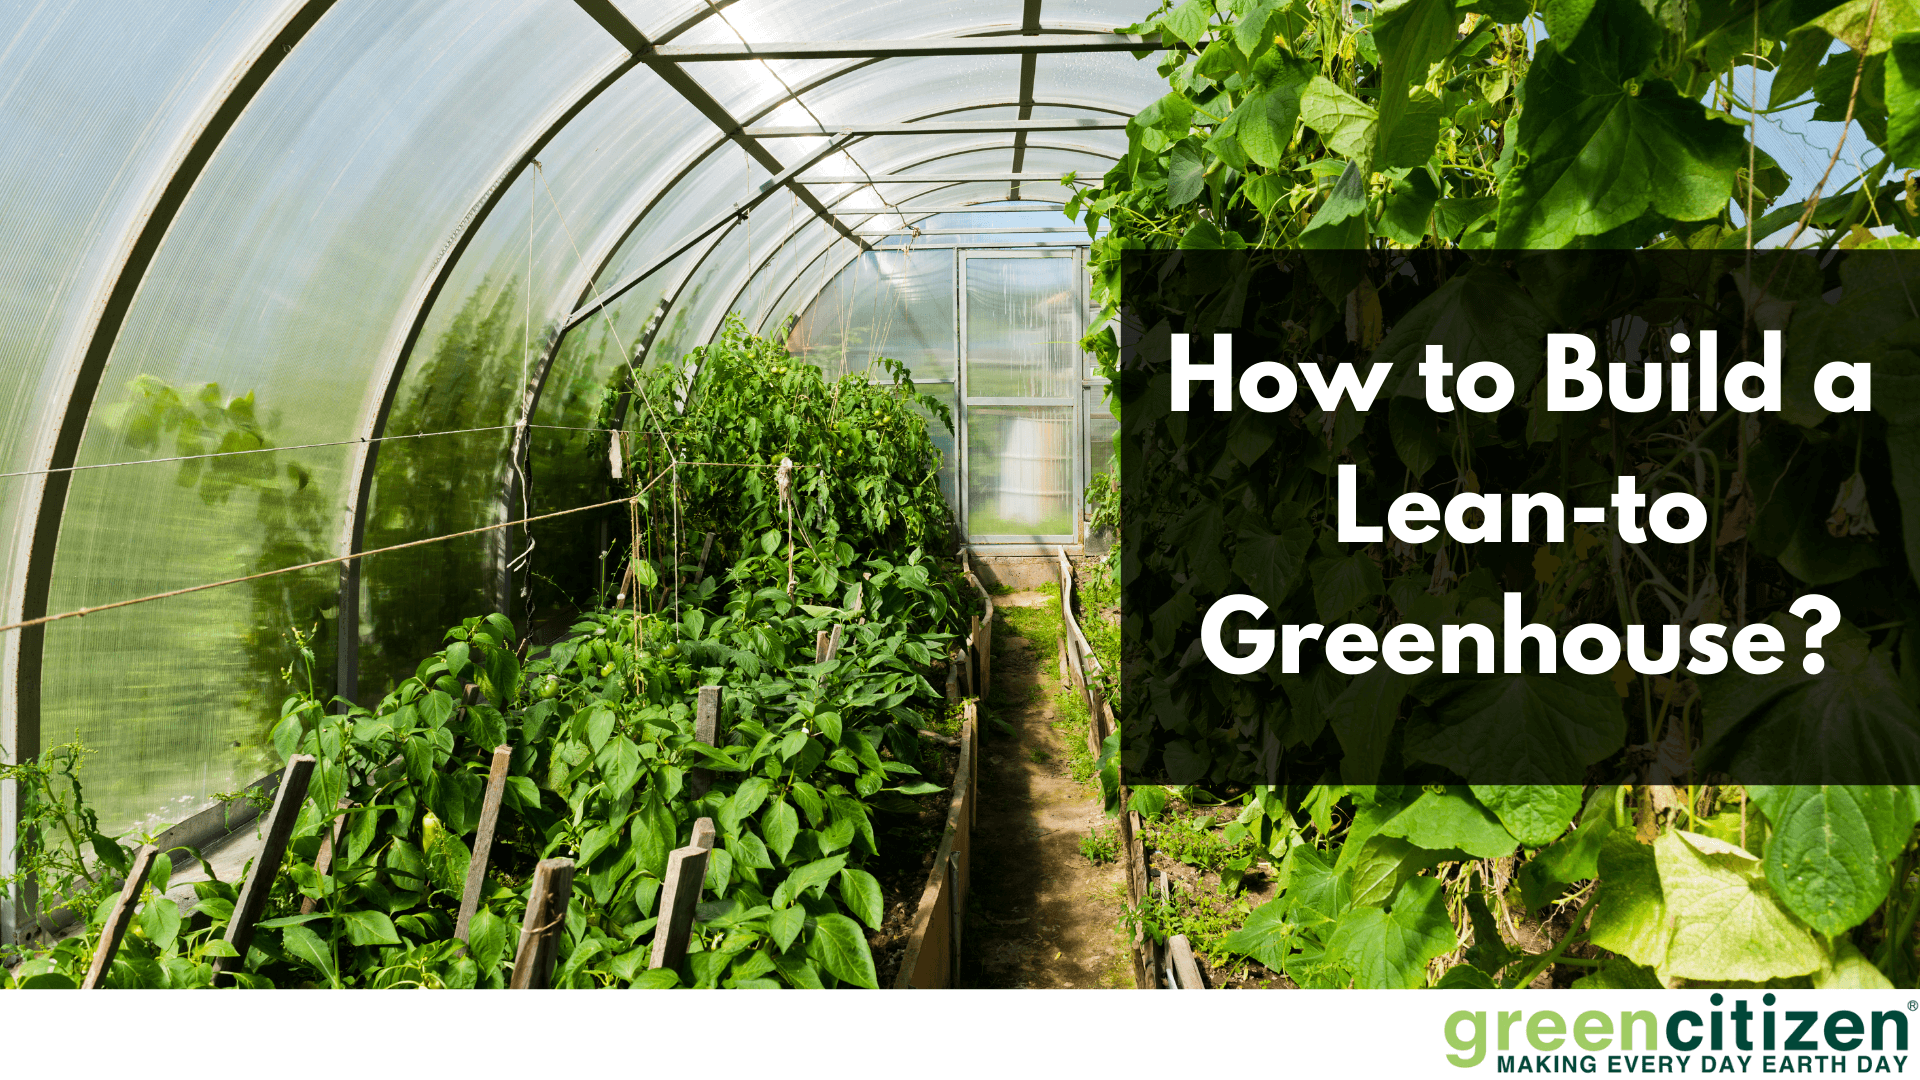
[
  {"x": 431, "y": 833},
  {"x": 606, "y": 670},
  {"x": 550, "y": 687},
  {"x": 671, "y": 651}
]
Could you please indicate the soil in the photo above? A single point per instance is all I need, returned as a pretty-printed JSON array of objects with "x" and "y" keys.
[
  {"x": 1041, "y": 914},
  {"x": 908, "y": 844}
]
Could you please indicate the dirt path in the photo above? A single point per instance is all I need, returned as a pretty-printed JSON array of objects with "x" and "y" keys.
[{"x": 1041, "y": 914}]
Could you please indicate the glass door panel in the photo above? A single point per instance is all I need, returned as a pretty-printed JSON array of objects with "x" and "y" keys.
[{"x": 1020, "y": 395}]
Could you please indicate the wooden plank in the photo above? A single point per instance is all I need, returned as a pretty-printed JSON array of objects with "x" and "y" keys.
[
  {"x": 925, "y": 964},
  {"x": 956, "y": 900},
  {"x": 120, "y": 918},
  {"x": 483, "y": 840},
  {"x": 974, "y": 637},
  {"x": 706, "y": 728},
  {"x": 686, "y": 871},
  {"x": 703, "y": 834},
  {"x": 1185, "y": 969},
  {"x": 826, "y": 644},
  {"x": 545, "y": 922},
  {"x": 266, "y": 866},
  {"x": 323, "y": 861},
  {"x": 700, "y": 568}
]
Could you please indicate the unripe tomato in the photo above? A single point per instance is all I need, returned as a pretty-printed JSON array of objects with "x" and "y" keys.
[
  {"x": 607, "y": 669},
  {"x": 550, "y": 687}
]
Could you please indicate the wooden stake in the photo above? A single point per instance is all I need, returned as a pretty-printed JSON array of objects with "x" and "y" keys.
[
  {"x": 323, "y": 862},
  {"x": 686, "y": 872},
  {"x": 545, "y": 921},
  {"x": 1185, "y": 969},
  {"x": 266, "y": 866},
  {"x": 483, "y": 841},
  {"x": 706, "y": 728},
  {"x": 121, "y": 917}
]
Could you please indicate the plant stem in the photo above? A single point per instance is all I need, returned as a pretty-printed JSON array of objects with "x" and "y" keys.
[{"x": 1547, "y": 959}]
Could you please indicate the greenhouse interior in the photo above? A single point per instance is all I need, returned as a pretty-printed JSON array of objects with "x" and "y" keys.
[{"x": 516, "y": 493}]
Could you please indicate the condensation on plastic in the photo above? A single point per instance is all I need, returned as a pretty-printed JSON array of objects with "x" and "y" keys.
[{"x": 285, "y": 277}]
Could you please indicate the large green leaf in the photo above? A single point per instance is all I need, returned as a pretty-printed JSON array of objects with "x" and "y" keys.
[
  {"x": 1520, "y": 729},
  {"x": 1345, "y": 123},
  {"x": 1260, "y": 127},
  {"x": 304, "y": 944},
  {"x": 1451, "y": 820},
  {"x": 1727, "y": 924},
  {"x": 1267, "y": 935},
  {"x": 1340, "y": 585},
  {"x": 370, "y": 928},
  {"x": 1341, "y": 221},
  {"x": 1411, "y": 34},
  {"x": 1630, "y": 910},
  {"x": 1851, "y": 723},
  {"x": 1533, "y": 813},
  {"x": 1903, "y": 101},
  {"x": 1594, "y": 154},
  {"x": 860, "y": 891},
  {"x": 838, "y": 946},
  {"x": 1830, "y": 855},
  {"x": 1390, "y": 948},
  {"x": 1363, "y": 717},
  {"x": 1481, "y": 315},
  {"x": 1849, "y": 22}
]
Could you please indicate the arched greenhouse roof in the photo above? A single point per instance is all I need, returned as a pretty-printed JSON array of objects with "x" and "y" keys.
[{"x": 390, "y": 246}]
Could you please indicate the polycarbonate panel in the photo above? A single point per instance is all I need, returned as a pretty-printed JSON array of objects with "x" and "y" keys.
[
  {"x": 722, "y": 180},
  {"x": 1020, "y": 472},
  {"x": 1101, "y": 427},
  {"x": 896, "y": 304},
  {"x": 1023, "y": 327},
  {"x": 568, "y": 467},
  {"x": 1124, "y": 83},
  {"x": 285, "y": 282},
  {"x": 76, "y": 184},
  {"x": 784, "y": 20}
]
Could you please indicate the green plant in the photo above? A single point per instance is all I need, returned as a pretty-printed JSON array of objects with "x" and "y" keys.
[
  {"x": 1293, "y": 130},
  {"x": 1100, "y": 845}
]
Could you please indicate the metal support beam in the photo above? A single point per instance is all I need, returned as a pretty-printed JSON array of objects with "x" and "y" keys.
[
  {"x": 81, "y": 374},
  {"x": 739, "y": 211},
  {"x": 1034, "y": 42},
  {"x": 945, "y": 127},
  {"x": 938, "y": 178},
  {"x": 1008, "y": 230},
  {"x": 995, "y": 207},
  {"x": 1029, "y": 66},
  {"x": 670, "y": 72}
]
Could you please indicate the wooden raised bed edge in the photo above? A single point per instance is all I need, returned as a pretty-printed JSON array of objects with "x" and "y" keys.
[{"x": 932, "y": 956}]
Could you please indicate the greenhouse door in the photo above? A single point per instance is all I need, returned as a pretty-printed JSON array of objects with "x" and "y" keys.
[{"x": 1020, "y": 318}]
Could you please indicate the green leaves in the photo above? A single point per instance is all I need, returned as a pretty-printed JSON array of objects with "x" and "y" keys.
[
  {"x": 1411, "y": 35},
  {"x": 1903, "y": 100},
  {"x": 1260, "y": 128},
  {"x": 1830, "y": 856},
  {"x": 1345, "y": 123},
  {"x": 839, "y": 947},
  {"x": 1727, "y": 925},
  {"x": 1561, "y": 723},
  {"x": 1390, "y": 948},
  {"x": 860, "y": 891},
  {"x": 1534, "y": 814},
  {"x": 1596, "y": 153},
  {"x": 1443, "y": 821}
]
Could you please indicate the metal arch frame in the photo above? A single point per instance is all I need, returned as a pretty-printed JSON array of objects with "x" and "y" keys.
[
  {"x": 364, "y": 456},
  {"x": 827, "y": 278},
  {"x": 1029, "y": 70},
  {"x": 192, "y": 151},
  {"x": 748, "y": 273},
  {"x": 609, "y": 242},
  {"x": 991, "y": 204}
]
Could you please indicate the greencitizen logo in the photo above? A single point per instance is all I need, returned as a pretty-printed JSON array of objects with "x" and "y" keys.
[{"x": 1685, "y": 1041}]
